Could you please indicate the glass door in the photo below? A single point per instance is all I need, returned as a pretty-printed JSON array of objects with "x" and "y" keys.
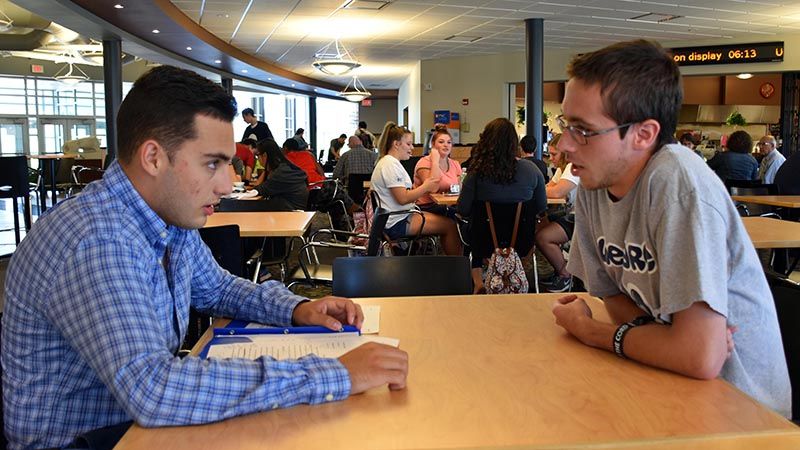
[
  {"x": 13, "y": 136},
  {"x": 53, "y": 132}
]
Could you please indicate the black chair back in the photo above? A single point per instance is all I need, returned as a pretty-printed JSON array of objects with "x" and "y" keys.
[
  {"x": 746, "y": 187},
  {"x": 225, "y": 245},
  {"x": 410, "y": 164},
  {"x": 355, "y": 186},
  {"x": 14, "y": 177},
  {"x": 379, "y": 219},
  {"x": 378, "y": 276},
  {"x": 480, "y": 236},
  {"x": 786, "y": 294}
]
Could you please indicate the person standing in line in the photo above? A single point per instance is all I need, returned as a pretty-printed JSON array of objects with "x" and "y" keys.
[{"x": 256, "y": 130}]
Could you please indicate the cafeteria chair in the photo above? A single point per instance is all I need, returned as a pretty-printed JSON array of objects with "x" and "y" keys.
[
  {"x": 480, "y": 236},
  {"x": 749, "y": 187},
  {"x": 326, "y": 197},
  {"x": 379, "y": 242},
  {"x": 377, "y": 276},
  {"x": 226, "y": 248},
  {"x": 14, "y": 184},
  {"x": 786, "y": 294}
]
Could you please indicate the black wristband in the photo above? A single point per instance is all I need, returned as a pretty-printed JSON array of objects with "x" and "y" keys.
[{"x": 619, "y": 335}]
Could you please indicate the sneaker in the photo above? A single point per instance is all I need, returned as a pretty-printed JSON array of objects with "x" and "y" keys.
[
  {"x": 560, "y": 284},
  {"x": 548, "y": 280}
]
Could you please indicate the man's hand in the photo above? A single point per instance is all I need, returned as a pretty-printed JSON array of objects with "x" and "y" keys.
[
  {"x": 331, "y": 312},
  {"x": 373, "y": 364},
  {"x": 729, "y": 338},
  {"x": 569, "y": 310}
]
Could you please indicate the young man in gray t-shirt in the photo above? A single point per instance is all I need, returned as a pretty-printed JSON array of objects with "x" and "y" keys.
[{"x": 657, "y": 236}]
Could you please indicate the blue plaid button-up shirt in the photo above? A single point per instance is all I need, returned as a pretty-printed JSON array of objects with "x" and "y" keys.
[{"x": 93, "y": 321}]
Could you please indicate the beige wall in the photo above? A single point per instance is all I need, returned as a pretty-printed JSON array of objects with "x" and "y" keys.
[
  {"x": 377, "y": 114},
  {"x": 408, "y": 97}
]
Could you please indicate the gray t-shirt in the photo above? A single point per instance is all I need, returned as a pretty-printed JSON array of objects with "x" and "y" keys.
[{"x": 676, "y": 239}]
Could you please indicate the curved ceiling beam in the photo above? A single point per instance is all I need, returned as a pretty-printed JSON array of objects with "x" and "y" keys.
[{"x": 177, "y": 33}]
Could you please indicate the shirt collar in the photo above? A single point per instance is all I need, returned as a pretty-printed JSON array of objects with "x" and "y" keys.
[{"x": 156, "y": 231}]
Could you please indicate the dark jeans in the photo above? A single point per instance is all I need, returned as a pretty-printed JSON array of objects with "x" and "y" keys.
[{"x": 101, "y": 438}]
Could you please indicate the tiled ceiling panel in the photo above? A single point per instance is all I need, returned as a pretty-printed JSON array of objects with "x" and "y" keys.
[{"x": 389, "y": 41}]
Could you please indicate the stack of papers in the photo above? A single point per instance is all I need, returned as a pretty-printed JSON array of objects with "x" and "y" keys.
[{"x": 291, "y": 346}]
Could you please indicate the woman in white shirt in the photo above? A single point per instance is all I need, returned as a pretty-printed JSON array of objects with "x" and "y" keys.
[{"x": 392, "y": 184}]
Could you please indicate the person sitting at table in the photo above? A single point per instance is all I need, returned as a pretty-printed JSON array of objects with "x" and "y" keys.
[
  {"x": 438, "y": 164},
  {"x": 97, "y": 295},
  {"x": 496, "y": 175},
  {"x": 528, "y": 147},
  {"x": 391, "y": 183},
  {"x": 244, "y": 152},
  {"x": 657, "y": 236},
  {"x": 304, "y": 160},
  {"x": 557, "y": 229},
  {"x": 285, "y": 185},
  {"x": 737, "y": 163}
]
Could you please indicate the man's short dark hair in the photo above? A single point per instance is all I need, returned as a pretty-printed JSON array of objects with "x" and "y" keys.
[
  {"x": 162, "y": 105},
  {"x": 362, "y": 124},
  {"x": 740, "y": 142},
  {"x": 250, "y": 142},
  {"x": 342, "y": 136},
  {"x": 291, "y": 145},
  {"x": 300, "y": 131},
  {"x": 638, "y": 81},
  {"x": 248, "y": 112},
  {"x": 687, "y": 137},
  {"x": 528, "y": 144}
]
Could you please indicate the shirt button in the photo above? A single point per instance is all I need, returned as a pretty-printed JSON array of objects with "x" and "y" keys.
[
  {"x": 329, "y": 398},
  {"x": 163, "y": 234},
  {"x": 275, "y": 406}
]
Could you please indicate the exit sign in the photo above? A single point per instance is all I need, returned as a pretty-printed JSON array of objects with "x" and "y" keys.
[
  {"x": 37, "y": 68},
  {"x": 366, "y": 102}
]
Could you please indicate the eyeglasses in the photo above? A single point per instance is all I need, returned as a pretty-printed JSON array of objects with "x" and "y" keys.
[
  {"x": 582, "y": 136},
  {"x": 764, "y": 143}
]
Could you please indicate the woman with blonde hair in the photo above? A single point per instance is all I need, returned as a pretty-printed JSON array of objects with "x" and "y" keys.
[
  {"x": 438, "y": 164},
  {"x": 392, "y": 184},
  {"x": 382, "y": 138}
]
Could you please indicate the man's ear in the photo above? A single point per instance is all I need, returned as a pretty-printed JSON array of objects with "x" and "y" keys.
[
  {"x": 152, "y": 157},
  {"x": 645, "y": 134}
]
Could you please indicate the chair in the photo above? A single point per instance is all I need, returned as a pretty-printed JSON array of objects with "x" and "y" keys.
[
  {"x": 234, "y": 205},
  {"x": 226, "y": 248},
  {"x": 749, "y": 187},
  {"x": 355, "y": 186},
  {"x": 375, "y": 276},
  {"x": 410, "y": 164},
  {"x": 480, "y": 236},
  {"x": 82, "y": 176},
  {"x": 14, "y": 184},
  {"x": 786, "y": 294},
  {"x": 326, "y": 197},
  {"x": 378, "y": 224},
  {"x": 63, "y": 173}
]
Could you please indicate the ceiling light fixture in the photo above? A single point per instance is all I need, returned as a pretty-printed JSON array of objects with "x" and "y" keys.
[
  {"x": 156, "y": 31},
  {"x": 744, "y": 76},
  {"x": 95, "y": 56},
  {"x": 355, "y": 91},
  {"x": 5, "y": 22},
  {"x": 334, "y": 59},
  {"x": 189, "y": 48},
  {"x": 72, "y": 76},
  {"x": 217, "y": 61},
  {"x": 118, "y": 6}
]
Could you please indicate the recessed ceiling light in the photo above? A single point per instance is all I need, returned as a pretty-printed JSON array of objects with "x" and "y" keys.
[
  {"x": 269, "y": 79},
  {"x": 244, "y": 70},
  {"x": 189, "y": 48},
  {"x": 744, "y": 76},
  {"x": 217, "y": 61},
  {"x": 315, "y": 89},
  {"x": 156, "y": 32},
  {"x": 224, "y": 16},
  {"x": 373, "y": 5},
  {"x": 462, "y": 38},
  {"x": 292, "y": 84},
  {"x": 118, "y": 6}
]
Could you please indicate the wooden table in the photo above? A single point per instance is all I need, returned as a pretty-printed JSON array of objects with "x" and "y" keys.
[
  {"x": 450, "y": 200},
  {"x": 786, "y": 201},
  {"x": 265, "y": 224},
  {"x": 495, "y": 371},
  {"x": 51, "y": 158},
  {"x": 766, "y": 232}
]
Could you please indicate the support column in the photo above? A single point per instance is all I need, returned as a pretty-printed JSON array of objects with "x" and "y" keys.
[
  {"x": 312, "y": 125},
  {"x": 227, "y": 84},
  {"x": 112, "y": 82},
  {"x": 534, "y": 80}
]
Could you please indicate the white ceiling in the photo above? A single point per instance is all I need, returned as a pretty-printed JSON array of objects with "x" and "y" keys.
[{"x": 390, "y": 41}]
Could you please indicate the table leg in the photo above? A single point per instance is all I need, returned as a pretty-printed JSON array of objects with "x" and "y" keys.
[
  {"x": 53, "y": 180},
  {"x": 42, "y": 190}
]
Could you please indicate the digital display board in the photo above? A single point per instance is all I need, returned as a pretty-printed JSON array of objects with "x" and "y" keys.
[{"x": 728, "y": 54}]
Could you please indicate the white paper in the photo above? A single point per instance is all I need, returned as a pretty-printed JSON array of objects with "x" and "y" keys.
[
  {"x": 243, "y": 195},
  {"x": 293, "y": 346}
]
